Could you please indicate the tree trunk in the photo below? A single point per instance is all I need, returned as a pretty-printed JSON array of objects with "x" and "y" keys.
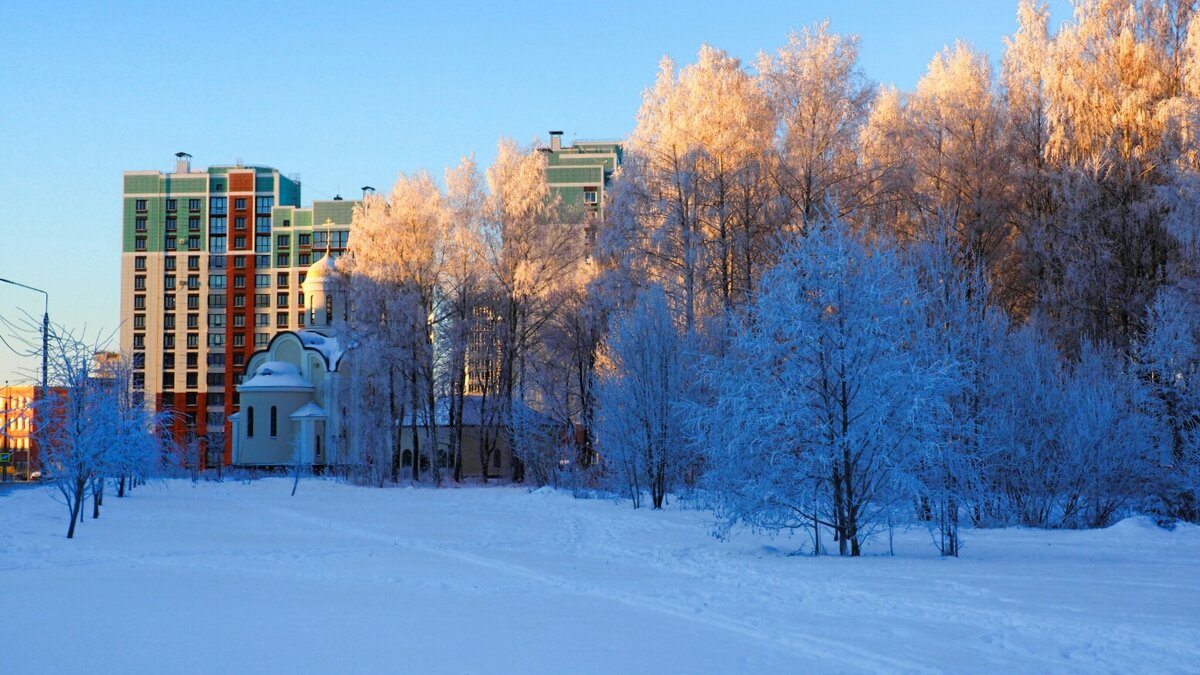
[{"x": 76, "y": 504}]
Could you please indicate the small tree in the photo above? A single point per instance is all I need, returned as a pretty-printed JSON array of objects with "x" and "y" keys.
[{"x": 640, "y": 399}]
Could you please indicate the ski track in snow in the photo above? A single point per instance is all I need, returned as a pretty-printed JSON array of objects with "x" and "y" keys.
[{"x": 1115, "y": 600}]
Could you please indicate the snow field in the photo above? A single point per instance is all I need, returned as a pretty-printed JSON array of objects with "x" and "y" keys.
[{"x": 235, "y": 577}]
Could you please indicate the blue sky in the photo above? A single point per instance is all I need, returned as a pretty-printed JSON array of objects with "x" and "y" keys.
[{"x": 348, "y": 94}]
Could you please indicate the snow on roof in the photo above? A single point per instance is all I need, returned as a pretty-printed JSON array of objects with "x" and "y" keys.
[
  {"x": 329, "y": 346},
  {"x": 276, "y": 375},
  {"x": 309, "y": 410}
]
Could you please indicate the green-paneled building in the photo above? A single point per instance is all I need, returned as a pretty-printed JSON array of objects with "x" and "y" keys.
[
  {"x": 580, "y": 173},
  {"x": 211, "y": 266}
]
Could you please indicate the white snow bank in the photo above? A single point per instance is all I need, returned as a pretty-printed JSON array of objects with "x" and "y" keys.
[{"x": 242, "y": 578}]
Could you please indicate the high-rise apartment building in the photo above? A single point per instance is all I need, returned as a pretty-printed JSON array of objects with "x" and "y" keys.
[
  {"x": 211, "y": 266},
  {"x": 580, "y": 172}
]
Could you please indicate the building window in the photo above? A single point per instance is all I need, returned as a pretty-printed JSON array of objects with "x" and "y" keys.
[
  {"x": 193, "y": 320},
  {"x": 239, "y": 281},
  {"x": 260, "y": 339},
  {"x": 217, "y": 206},
  {"x": 169, "y": 263},
  {"x": 216, "y": 262},
  {"x": 262, "y": 319},
  {"x": 239, "y": 360},
  {"x": 262, "y": 261},
  {"x": 168, "y": 380},
  {"x": 168, "y": 302},
  {"x": 264, "y": 204},
  {"x": 216, "y": 225},
  {"x": 215, "y": 379},
  {"x": 193, "y": 260},
  {"x": 139, "y": 302},
  {"x": 169, "y": 242},
  {"x": 239, "y": 340},
  {"x": 139, "y": 243},
  {"x": 281, "y": 299},
  {"x": 281, "y": 279},
  {"x": 239, "y": 243},
  {"x": 262, "y": 244},
  {"x": 590, "y": 195},
  {"x": 304, "y": 240},
  {"x": 216, "y": 320},
  {"x": 192, "y": 381},
  {"x": 169, "y": 321},
  {"x": 262, "y": 300},
  {"x": 171, "y": 223},
  {"x": 304, "y": 260},
  {"x": 239, "y": 320},
  {"x": 216, "y": 339},
  {"x": 139, "y": 380},
  {"x": 193, "y": 205},
  {"x": 139, "y": 204},
  {"x": 171, "y": 204},
  {"x": 262, "y": 225},
  {"x": 239, "y": 223},
  {"x": 216, "y": 281},
  {"x": 250, "y": 422},
  {"x": 281, "y": 320},
  {"x": 281, "y": 260},
  {"x": 216, "y": 245},
  {"x": 139, "y": 321},
  {"x": 193, "y": 342},
  {"x": 139, "y": 341},
  {"x": 139, "y": 262},
  {"x": 139, "y": 282},
  {"x": 168, "y": 360},
  {"x": 274, "y": 422},
  {"x": 168, "y": 340},
  {"x": 216, "y": 361},
  {"x": 193, "y": 282},
  {"x": 169, "y": 282},
  {"x": 194, "y": 301},
  {"x": 262, "y": 281},
  {"x": 240, "y": 203},
  {"x": 139, "y": 360},
  {"x": 193, "y": 223},
  {"x": 239, "y": 301},
  {"x": 283, "y": 240}
]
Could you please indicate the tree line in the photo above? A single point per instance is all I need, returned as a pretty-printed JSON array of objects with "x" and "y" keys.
[{"x": 821, "y": 303}]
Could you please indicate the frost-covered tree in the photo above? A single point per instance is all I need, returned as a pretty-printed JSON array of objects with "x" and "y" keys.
[
  {"x": 687, "y": 207},
  {"x": 641, "y": 399},
  {"x": 462, "y": 284},
  {"x": 820, "y": 99},
  {"x": 818, "y": 405},
  {"x": 393, "y": 265},
  {"x": 1168, "y": 361},
  {"x": 94, "y": 428},
  {"x": 532, "y": 258}
]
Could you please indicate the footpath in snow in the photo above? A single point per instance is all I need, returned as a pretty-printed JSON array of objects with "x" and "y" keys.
[{"x": 236, "y": 577}]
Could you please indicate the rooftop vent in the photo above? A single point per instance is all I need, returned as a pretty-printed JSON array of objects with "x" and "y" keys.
[{"x": 183, "y": 162}]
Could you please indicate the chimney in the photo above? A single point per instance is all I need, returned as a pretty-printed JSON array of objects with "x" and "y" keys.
[
  {"x": 555, "y": 141},
  {"x": 183, "y": 162}
]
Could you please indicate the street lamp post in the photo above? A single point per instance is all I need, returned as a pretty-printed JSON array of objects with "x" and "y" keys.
[{"x": 45, "y": 329}]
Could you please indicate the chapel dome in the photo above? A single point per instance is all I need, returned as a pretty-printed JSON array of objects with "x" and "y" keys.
[{"x": 322, "y": 271}]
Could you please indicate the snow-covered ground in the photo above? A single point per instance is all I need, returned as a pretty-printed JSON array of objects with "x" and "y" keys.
[{"x": 236, "y": 577}]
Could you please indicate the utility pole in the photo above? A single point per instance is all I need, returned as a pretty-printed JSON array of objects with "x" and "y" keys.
[{"x": 45, "y": 329}]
